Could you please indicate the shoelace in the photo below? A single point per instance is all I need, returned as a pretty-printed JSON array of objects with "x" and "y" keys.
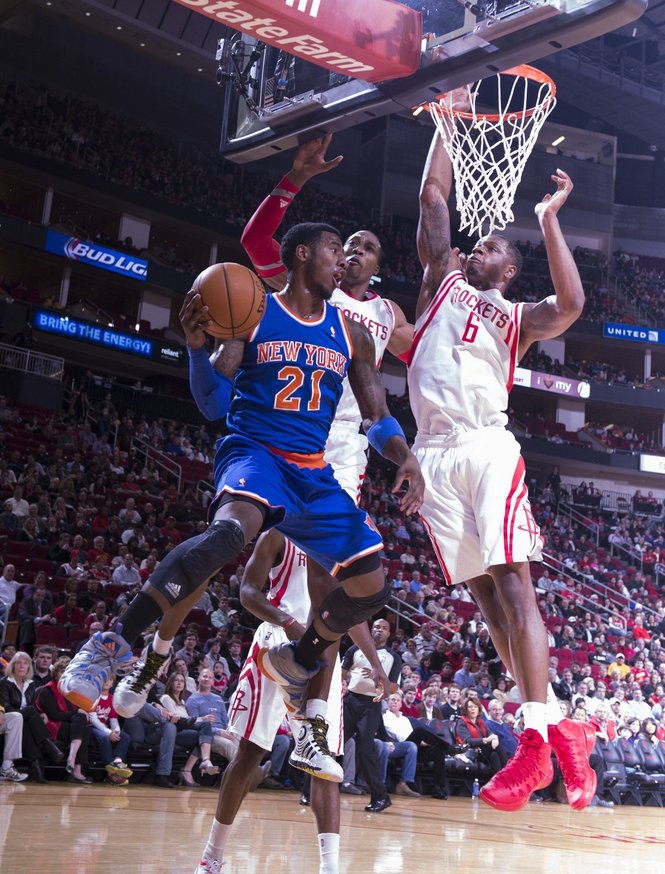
[
  {"x": 520, "y": 767},
  {"x": 320, "y": 735},
  {"x": 147, "y": 672}
]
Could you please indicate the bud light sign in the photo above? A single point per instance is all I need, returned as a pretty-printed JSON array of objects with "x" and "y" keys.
[{"x": 96, "y": 256}]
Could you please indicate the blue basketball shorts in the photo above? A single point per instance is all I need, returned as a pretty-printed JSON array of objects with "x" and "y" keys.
[{"x": 306, "y": 504}]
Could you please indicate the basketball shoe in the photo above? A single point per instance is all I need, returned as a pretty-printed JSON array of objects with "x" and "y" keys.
[
  {"x": 278, "y": 663},
  {"x": 530, "y": 769},
  {"x": 209, "y": 865},
  {"x": 132, "y": 691},
  {"x": 573, "y": 743},
  {"x": 106, "y": 653},
  {"x": 311, "y": 753}
]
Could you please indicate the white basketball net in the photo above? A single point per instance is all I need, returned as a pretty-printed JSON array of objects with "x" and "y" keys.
[{"x": 489, "y": 152}]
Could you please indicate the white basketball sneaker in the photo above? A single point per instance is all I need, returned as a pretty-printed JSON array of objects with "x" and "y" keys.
[
  {"x": 132, "y": 691},
  {"x": 311, "y": 753},
  {"x": 209, "y": 865}
]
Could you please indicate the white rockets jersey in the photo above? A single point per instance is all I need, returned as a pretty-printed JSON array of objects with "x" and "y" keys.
[
  {"x": 463, "y": 359},
  {"x": 288, "y": 583},
  {"x": 378, "y": 316}
]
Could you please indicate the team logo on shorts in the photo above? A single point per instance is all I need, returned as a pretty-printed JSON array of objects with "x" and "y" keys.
[
  {"x": 242, "y": 481},
  {"x": 237, "y": 706},
  {"x": 371, "y": 524}
]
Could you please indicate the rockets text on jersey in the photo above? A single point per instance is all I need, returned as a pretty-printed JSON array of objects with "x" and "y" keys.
[
  {"x": 463, "y": 359},
  {"x": 378, "y": 316}
]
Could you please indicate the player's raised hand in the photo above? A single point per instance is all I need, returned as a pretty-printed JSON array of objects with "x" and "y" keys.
[
  {"x": 409, "y": 471},
  {"x": 457, "y": 261},
  {"x": 310, "y": 160},
  {"x": 194, "y": 319},
  {"x": 552, "y": 203}
]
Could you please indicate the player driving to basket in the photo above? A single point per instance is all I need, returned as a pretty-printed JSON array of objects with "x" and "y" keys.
[
  {"x": 468, "y": 340},
  {"x": 346, "y": 447},
  {"x": 279, "y": 390}
]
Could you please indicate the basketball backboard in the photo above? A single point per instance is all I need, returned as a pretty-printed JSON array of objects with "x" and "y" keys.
[{"x": 273, "y": 100}]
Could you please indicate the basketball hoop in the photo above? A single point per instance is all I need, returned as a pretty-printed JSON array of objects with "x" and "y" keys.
[{"x": 489, "y": 150}]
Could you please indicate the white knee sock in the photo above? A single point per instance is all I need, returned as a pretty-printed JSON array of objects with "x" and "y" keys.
[
  {"x": 219, "y": 832},
  {"x": 161, "y": 646},
  {"x": 535, "y": 716},
  {"x": 329, "y": 853},
  {"x": 554, "y": 712},
  {"x": 316, "y": 707}
]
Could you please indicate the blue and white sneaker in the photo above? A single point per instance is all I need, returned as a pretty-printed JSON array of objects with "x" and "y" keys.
[
  {"x": 278, "y": 663},
  {"x": 106, "y": 653}
]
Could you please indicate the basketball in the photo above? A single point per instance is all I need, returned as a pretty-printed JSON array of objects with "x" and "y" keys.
[{"x": 235, "y": 297}]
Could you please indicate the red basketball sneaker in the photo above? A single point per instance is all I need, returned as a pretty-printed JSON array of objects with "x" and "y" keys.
[
  {"x": 573, "y": 743},
  {"x": 529, "y": 769}
]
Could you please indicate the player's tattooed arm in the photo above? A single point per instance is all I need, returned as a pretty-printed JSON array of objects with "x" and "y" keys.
[
  {"x": 370, "y": 394},
  {"x": 227, "y": 357},
  {"x": 552, "y": 316},
  {"x": 433, "y": 237},
  {"x": 267, "y": 553}
]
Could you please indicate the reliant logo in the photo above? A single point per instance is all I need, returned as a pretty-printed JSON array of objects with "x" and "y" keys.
[
  {"x": 77, "y": 250},
  {"x": 272, "y": 30}
]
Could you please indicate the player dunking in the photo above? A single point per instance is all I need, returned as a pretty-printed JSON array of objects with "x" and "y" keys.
[
  {"x": 346, "y": 446},
  {"x": 279, "y": 389},
  {"x": 257, "y": 708},
  {"x": 468, "y": 339}
]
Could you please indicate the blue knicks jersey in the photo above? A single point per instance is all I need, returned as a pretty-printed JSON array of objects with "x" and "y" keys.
[{"x": 289, "y": 382}]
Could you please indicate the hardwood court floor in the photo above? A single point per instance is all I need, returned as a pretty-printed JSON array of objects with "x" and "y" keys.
[{"x": 101, "y": 829}]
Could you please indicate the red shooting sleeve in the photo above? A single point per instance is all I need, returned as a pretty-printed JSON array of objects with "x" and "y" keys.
[{"x": 257, "y": 238}]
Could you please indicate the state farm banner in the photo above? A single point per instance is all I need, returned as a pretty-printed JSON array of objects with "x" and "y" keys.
[
  {"x": 372, "y": 40},
  {"x": 559, "y": 385}
]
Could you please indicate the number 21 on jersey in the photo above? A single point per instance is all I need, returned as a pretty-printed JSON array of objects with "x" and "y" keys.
[{"x": 290, "y": 398}]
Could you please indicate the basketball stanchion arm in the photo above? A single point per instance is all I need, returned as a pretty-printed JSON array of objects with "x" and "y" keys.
[{"x": 210, "y": 389}]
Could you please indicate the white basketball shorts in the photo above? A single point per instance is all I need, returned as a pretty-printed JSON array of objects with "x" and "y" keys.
[
  {"x": 257, "y": 708},
  {"x": 476, "y": 508},
  {"x": 346, "y": 451}
]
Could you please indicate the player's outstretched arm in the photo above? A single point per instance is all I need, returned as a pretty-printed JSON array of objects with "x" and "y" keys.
[
  {"x": 433, "y": 236},
  {"x": 383, "y": 431},
  {"x": 258, "y": 236},
  {"x": 267, "y": 552},
  {"x": 210, "y": 379},
  {"x": 555, "y": 314}
]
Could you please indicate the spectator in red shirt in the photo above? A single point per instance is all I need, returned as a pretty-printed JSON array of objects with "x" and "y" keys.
[
  {"x": 410, "y": 703},
  {"x": 169, "y": 530},
  {"x": 69, "y": 614},
  {"x": 639, "y": 631}
]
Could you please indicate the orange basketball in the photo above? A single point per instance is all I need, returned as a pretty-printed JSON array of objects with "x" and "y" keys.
[{"x": 235, "y": 297}]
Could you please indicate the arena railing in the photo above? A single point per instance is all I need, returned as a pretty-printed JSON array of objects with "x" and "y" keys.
[
  {"x": 34, "y": 363},
  {"x": 161, "y": 459}
]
